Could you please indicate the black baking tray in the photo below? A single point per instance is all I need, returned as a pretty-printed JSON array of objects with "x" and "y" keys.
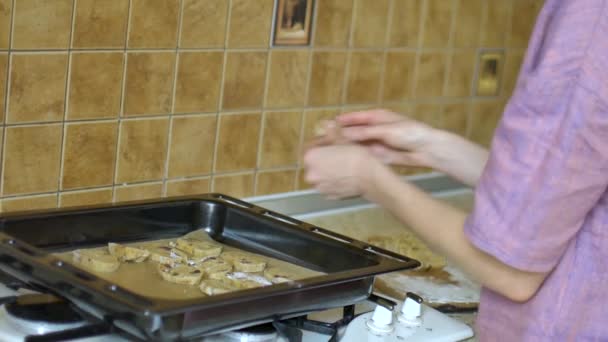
[{"x": 27, "y": 241}]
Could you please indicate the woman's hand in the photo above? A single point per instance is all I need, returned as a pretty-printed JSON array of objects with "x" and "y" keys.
[{"x": 341, "y": 171}]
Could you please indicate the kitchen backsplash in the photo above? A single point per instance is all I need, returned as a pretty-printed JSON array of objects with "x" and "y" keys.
[{"x": 120, "y": 100}]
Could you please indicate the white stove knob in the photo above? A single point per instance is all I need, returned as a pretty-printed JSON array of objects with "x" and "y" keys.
[
  {"x": 411, "y": 310},
  {"x": 381, "y": 321}
]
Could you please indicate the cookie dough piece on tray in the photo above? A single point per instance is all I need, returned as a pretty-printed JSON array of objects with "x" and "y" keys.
[
  {"x": 217, "y": 286},
  {"x": 197, "y": 248},
  {"x": 276, "y": 275},
  {"x": 127, "y": 253},
  {"x": 166, "y": 255},
  {"x": 215, "y": 265},
  {"x": 244, "y": 262},
  {"x": 99, "y": 260},
  {"x": 180, "y": 274}
]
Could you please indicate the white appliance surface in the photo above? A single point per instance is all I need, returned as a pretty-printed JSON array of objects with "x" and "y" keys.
[{"x": 435, "y": 327}]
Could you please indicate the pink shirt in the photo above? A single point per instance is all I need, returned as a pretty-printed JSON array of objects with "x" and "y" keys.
[{"x": 542, "y": 201}]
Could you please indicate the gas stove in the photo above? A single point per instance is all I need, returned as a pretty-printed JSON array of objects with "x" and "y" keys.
[{"x": 30, "y": 316}]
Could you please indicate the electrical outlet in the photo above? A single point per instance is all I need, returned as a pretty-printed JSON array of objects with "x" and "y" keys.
[{"x": 489, "y": 73}]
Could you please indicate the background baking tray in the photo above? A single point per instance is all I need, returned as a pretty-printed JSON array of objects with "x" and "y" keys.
[{"x": 27, "y": 241}]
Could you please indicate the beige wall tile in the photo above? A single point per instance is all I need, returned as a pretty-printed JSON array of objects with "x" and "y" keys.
[
  {"x": 199, "y": 77},
  {"x": 42, "y": 24},
  {"x": 513, "y": 62},
  {"x": 405, "y": 27},
  {"x": 237, "y": 147},
  {"x": 461, "y": 74},
  {"x": 398, "y": 75},
  {"x": 287, "y": 80},
  {"x": 333, "y": 22},
  {"x": 370, "y": 23},
  {"x": 90, "y": 154},
  {"x": 153, "y": 24},
  {"x": 523, "y": 21},
  {"x": 468, "y": 23},
  {"x": 238, "y": 186},
  {"x": 272, "y": 182},
  {"x": 437, "y": 23},
  {"x": 100, "y": 24},
  {"x": 37, "y": 87},
  {"x": 496, "y": 25},
  {"x": 84, "y": 198},
  {"x": 142, "y": 150},
  {"x": 149, "y": 83},
  {"x": 454, "y": 117},
  {"x": 204, "y": 23},
  {"x": 32, "y": 157},
  {"x": 484, "y": 120},
  {"x": 192, "y": 144},
  {"x": 429, "y": 113},
  {"x": 250, "y": 23},
  {"x": 244, "y": 80},
  {"x": 327, "y": 78},
  {"x": 302, "y": 184},
  {"x": 431, "y": 74},
  {"x": 281, "y": 139},
  {"x": 188, "y": 187},
  {"x": 312, "y": 118},
  {"x": 95, "y": 85},
  {"x": 364, "y": 77},
  {"x": 3, "y": 76},
  {"x": 28, "y": 203},
  {"x": 139, "y": 192},
  {"x": 6, "y": 8}
]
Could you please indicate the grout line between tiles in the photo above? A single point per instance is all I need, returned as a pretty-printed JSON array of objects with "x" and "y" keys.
[
  {"x": 349, "y": 52},
  {"x": 421, "y": 32},
  {"x": 263, "y": 119},
  {"x": 220, "y": 103},
  {"x": 389, "y": 26},
  {"x": 6, "y": 99},
  {"x": 449, "y": 55}
]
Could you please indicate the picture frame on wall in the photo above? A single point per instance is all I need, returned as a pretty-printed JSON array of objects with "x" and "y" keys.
[{"x": 293, "y": 22}]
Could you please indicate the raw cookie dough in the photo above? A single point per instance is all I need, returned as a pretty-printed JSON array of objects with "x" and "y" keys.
[
  {"x": 277, "y": 275},
  {"x": 126, "y": 253},
  {"x": 99, "y": 260},
  {"x": 410, "y": 246},
  {"x": 198, "y": 248},
  {"x": 215, "y": 287},
  {"x": 215, "y": 265},
  {"x": 245, "y": 263},
  {"x": 180, "y": 274},
  {"x": 166, "y": 255}
]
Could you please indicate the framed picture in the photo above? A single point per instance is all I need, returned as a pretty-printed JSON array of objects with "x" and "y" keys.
[{"x": 292, "y": 22}]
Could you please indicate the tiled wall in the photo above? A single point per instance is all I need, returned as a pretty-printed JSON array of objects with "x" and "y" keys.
[{"x": 128, "y": 99}]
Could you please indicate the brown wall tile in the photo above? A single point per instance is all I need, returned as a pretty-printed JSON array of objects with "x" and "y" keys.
[
  {"x": 192, "y": 144},
  {"x": 90, "y": 154},
  {"x": 431, "y": 74},
  {"x": 142, "y": 150},
  {"x": 237, "y": 147},
  {"x": 405, "y": 27},
  {"x": 302, "y": 184},
  {"x": 29, "y": 203},
  {"x": 37, "y": 87},
  {"x": 496, "y": 25},
  {"x": 461, "y": 73},
  {"x": 238, "y": 186},
  {"x": 429, "y": 113},
  {"x": 149, "y": 83},
  {"x": 188, "y": 187},
  {"x": 484, "y": 120},
  {"x": 100, "y": 24},
  {"x": 6, "y": 8},
  {"x": 454, "y": 118},
  {"x": 153, "y": 23},
  {"x": 468, "y": 23},
  {"x": 32, "y": 156},
  {"x": 333, "y": 22},
  {"x": 364, "y": 77},
  {"x": 327, "y": 78},
  {"x": 204, "y": 23},
  {"x": 42, "y": 24},
  {"x": 437, "y": 23},
  {"x": 250, "y": 23},
  {"x": 244, "y": 80},
  {"x": 398, "y": 75},
  {"x": 288, "y": 77},
  {"x": 523, "y": 20},
  {"x": 272, "y": 182},
  {"x": 281, "y": 139},
  {"x": 513, "y": 62},
  {"x": 138, "y": 192},
  {"x": 199, "y": 76},
  {"x": 3, "y": 76},
  {"x": 84, "y": 198},
  {"x": 371, "y": 20},
  {"x": 95, "y": 85}
]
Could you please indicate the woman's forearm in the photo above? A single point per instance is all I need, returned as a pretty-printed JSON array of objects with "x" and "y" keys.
[
  {"x": 442, "y": 228},
  {"x": 458, "y": 157}
]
